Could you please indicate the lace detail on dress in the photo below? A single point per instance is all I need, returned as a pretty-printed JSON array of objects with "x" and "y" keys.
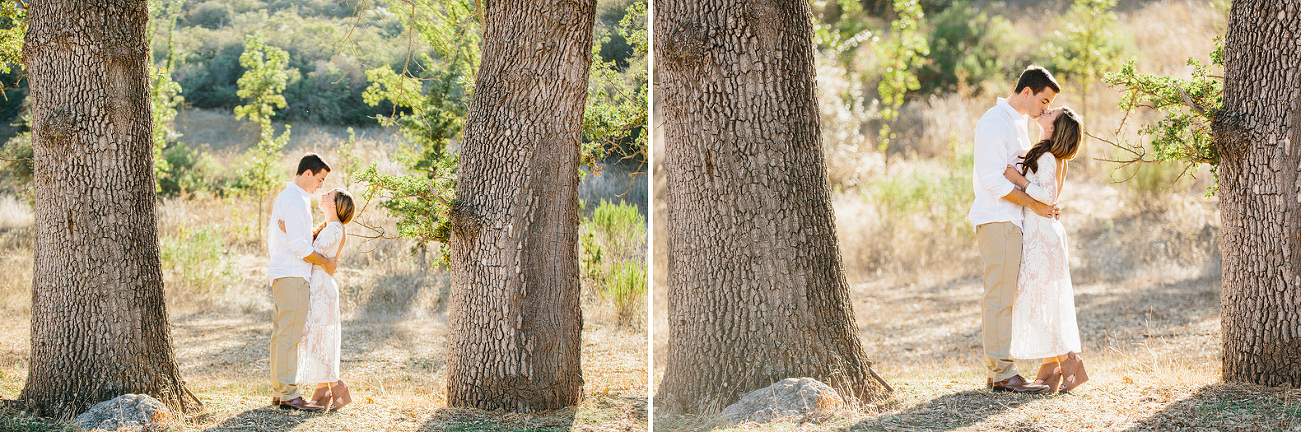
[
  {"x": 1043, "y": 314},
  {"x": 318, "y": 352}
]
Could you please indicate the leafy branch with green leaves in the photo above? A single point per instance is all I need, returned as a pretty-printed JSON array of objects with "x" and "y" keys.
[
  {"x": 430, "y": 111},
  {"x": 616, "y": 112},
  {"x": 1189, "y": 107},
  {"x": 431, "y": 96}
]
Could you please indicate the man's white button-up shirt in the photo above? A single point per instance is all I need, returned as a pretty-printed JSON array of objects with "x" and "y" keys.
[
  {"x": 287, "y": 249},
  {"x": 1001, "y": 139}
]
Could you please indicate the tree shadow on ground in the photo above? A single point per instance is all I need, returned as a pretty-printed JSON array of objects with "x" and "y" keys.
[
  {"x": 948, "y": 412},
  {"x": 1228, "y": 407},
  {"x": 916, "y": 323},
  {"x": 603, "y": 411},
  {"x": 377, "y": 325},
  {"x": 268, "y": 418},
  {"x": 465, "y": 419}
]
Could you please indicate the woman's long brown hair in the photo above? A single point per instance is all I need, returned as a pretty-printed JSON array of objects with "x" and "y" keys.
[
  {"x": 343, "y": 206},
  {"x": 1063, "y": 144}
]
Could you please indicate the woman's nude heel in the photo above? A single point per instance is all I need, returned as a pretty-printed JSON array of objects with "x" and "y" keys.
[
  {"x": 1073, "y": 373},
  {"x": 1050, "y": 374},
  {"x": 341, "y": 395}
]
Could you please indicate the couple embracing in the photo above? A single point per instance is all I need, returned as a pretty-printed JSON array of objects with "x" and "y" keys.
[
  {"x": 305, "y": 334},
  {"x": 1028, "y": 307}
]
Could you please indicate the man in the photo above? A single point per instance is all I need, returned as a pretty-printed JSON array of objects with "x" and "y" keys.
[
  {"x": 1001, "y": 139},
  {"x": 292, "y": 256}
]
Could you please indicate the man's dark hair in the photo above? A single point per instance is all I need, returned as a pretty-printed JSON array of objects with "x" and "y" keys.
[
  {"x": 1036, "y": 77},
  {"x": 312, "y": 162}
]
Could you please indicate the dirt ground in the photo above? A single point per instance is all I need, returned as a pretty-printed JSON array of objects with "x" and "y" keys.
[
  {"x": 394, "y": 369},
  {"x": 1147, "y": 294}
]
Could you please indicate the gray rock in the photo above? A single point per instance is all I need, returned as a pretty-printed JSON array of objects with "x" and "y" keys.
[
  {"x": 791, "y": 397},
  {"x": 122, "y": 412}
]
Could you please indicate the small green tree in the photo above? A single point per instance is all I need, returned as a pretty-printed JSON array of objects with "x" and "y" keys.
[
  {"x": 429, "y": 109},
  {"x": 164, "y": 93},
  {"x": 1086, "y": 45},
  {"x": 902, "y": 54},
  {"x": 265, "y": 77}
]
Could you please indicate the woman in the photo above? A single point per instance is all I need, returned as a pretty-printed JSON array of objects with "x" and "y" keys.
[
  {"x": 318, "y": 351},
  {"x": 1043, "y": 315}
]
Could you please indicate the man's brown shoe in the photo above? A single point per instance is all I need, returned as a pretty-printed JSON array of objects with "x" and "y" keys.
[
  {"x": 300, "y": 404},
  {"x": 1016, "y": 384}
]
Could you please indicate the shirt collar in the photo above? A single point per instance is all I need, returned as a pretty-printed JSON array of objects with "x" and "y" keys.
[
  {"x": 1011, "y": 112},
  {"x": 294, "y": 187}
]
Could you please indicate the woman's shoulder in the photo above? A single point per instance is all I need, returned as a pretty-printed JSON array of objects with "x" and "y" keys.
[{"x": 1047, "y": 157}]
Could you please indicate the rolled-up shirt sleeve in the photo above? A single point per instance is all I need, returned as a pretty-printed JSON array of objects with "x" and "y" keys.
[{"x": 991, "y": 160}]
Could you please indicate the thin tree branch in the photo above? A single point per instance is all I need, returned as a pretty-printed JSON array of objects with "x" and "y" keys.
[{"x": 1188, "y": 100}]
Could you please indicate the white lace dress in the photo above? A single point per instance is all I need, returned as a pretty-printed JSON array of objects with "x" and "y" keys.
[
  {"x": 318, "y": 352},
  {"x": 1043, "y": 315}
]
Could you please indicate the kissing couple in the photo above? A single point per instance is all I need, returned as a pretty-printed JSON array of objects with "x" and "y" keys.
[
  {"x": 1028, "y": 311},
  {"x": 305, "y": 328}
]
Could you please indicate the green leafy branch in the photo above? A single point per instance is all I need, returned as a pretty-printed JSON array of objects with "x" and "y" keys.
[
  {"x": 615, "y": 116},
  {"x": 429, "y": 109},
  {"x": 1189, "y": 107}
]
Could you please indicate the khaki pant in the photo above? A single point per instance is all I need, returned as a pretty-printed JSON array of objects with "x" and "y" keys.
[
  {"x": 1000, "y": 248},
  {"x": 289, "y": 294}
]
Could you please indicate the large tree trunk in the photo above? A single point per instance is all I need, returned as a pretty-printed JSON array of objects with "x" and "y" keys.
[
  {"x": 515, "y": 335},
  {"x": 1259, "y": 138},
  {"x": 99, "y": 323},
  {"x": 756, "y": 292}
]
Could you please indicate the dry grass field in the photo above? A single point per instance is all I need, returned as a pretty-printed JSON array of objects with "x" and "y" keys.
[
  {"x": 1145, "y": 261},
  {"x": 395, "y": 318}
]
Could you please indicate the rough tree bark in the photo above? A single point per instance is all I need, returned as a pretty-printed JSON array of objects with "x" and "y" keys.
[
  {"x": 99, "y": 323},
  {"x": 515, "y": 321},
  {"x": 1259, "y": 137},
  {"x": 756, "y": 292}
]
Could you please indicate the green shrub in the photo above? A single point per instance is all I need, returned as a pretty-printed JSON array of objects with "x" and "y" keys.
[
  {"x": 619, "y": 228},
  {"x": 969, "y": 47},
  {"x": 612, "y": 244},
  {"x": 591, "y": 264},
  {"x": 190, "y": 171},
  {"x": 196, "y": 258},
  {"x": 1150, "y": 185},
  {"x": 626, "y": 287},
  {"x": 16, "y": 172},
  {"x": 940, "y": 192}
]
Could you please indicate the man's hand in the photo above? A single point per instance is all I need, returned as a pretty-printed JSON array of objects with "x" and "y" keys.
[
  {"x": 330, "y": 266},
  {"x": 1050, "y": 211},
  {"x": 1014, "y": 176}
]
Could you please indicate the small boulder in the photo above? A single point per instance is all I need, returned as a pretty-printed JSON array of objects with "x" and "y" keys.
[
  {"x": 791, "y": 397},
  {"x": 126, "y": 411}
]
